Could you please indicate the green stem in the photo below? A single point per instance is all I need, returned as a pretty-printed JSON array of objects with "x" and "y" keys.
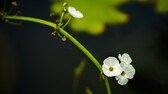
[
  {"x": 67, "y": 23},
  {"x": 62, "y": 16},
  {"x": 31, "y": 19},
  {"x": 62, "y": 31},
  {"x": 107, "y": 86},
  {"x": 79, "y": 45}
]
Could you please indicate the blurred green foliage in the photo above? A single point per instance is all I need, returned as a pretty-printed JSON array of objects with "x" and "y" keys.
[
  {"x": 98, "y": 13},
  {"x": 162, "y": 6},
  {"x": 80, "y": 68},
  {"x": 77, "y": 74},
  {"x": 88, "y": 91}
]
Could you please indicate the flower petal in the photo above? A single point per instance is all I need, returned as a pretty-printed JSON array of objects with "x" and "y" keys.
[
  {"x": 106, "y": 71},
  {"x": 128, "y": 69},
  {"x": 125, "y": 58},
  {"x": 71, "y": 10},
  {"x": 78, "y": 14},
  {"x": 114, "y": 63},
  {"x": 74, "y": 13},
  {"x": 110, "y": 61},
  {"x": 121, "y": 80},
  {"x": 117, "y": 70}
]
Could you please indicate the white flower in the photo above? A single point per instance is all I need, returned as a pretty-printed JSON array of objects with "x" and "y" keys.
[
  {"x": 111, "y": 67},
  {"x": 75, "y": 13},
  {"x": 128, "y": 72},
  {"x": 125, "y": 58}
]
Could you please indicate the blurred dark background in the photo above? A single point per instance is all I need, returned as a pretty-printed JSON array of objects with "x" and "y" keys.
[{"x": 34, "y": 62}]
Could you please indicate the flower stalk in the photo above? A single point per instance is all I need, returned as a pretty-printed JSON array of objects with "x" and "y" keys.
[
  {"x": 66, "y": 23},
  {"x": 61, "y": 30}
]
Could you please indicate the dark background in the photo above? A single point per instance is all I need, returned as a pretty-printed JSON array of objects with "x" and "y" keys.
[{"x": 34, "y": 62}]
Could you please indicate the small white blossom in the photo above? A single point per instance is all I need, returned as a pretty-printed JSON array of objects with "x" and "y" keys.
[
  {"x": 111, "y": 67},
  {"x": 75, "y": 13},
  {"x": 128, "y": 72},
  {"x": 125, "y": 58}
]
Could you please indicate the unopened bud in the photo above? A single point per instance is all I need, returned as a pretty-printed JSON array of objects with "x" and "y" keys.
[
  {"x": 65, "y": 4},
  {"x": 63, "y": 38},
  {"x": 65, "y": 9}
]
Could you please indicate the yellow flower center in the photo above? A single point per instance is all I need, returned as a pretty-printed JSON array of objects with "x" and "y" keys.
[
  {"x": 123, "y": 73},
  {"x": 111, "y": 69}
]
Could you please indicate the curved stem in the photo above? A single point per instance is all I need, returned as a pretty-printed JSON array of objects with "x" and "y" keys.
[
  {"x": 82, "y": 48},
  {"x": 79, "y": 45},
  {"x": 62, "y": 31},
  {"x": 66, "y": 23},
  {"x": 31, "y": 19},
  {"x": 107, "y": 86}
]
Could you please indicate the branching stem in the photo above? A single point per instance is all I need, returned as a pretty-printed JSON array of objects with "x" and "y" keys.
[{"x": 61, "y": 30}]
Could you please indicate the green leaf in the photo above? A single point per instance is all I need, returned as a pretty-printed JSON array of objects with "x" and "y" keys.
[
  {"x": 162, "y": 6},
  {"x": 97, "y": 14}
]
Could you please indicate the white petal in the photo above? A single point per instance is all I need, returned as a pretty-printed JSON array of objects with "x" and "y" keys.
[
  {"x": 105, "y": 69},
  {"x": 78, "y": 14},
  {"x": 119, "y": 56},
  {"x": 74, "y": 13},
  {"x": 128, "y": 69},
  {"x": 117, "y": 71},
  {"x": 111, "y": 61},
  {"x": 125, "y": 58},
  {"x": 71, "y": 10},
  {"x": 121, "y": 80},
  {"x": 123, "y": 65}
]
